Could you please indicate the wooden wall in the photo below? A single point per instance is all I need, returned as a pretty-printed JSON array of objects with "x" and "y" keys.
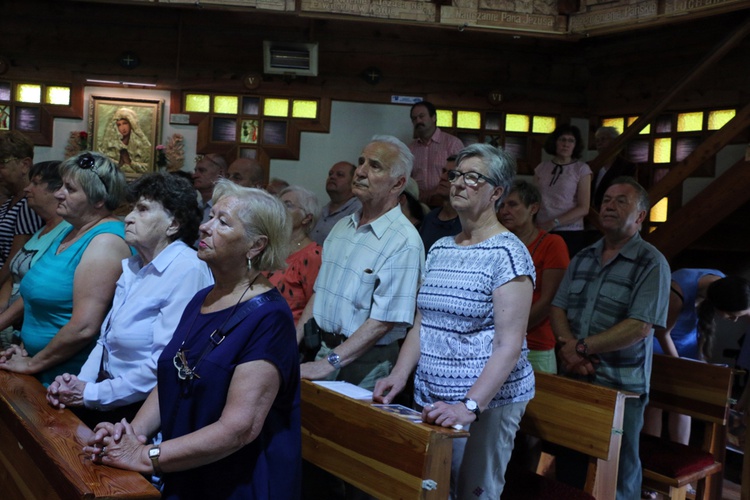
[{"x": 206, "y": 49}]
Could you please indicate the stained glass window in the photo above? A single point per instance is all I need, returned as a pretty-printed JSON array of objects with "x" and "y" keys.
[
  {"x": 444, "y": 118},
  {"x": 276, "y": 107},
  {"x": 226, "y": 104},
  {"x": 543, "y": 124},
  {"x": 197, "y": 103},
  {"x": 28, "y": 92},
  {"x": 516, "y": 123},
  {"x": 304, "y": 109},
  {"x": 58, "y": 95},
  {"x": 720, "y": 117},
  {"x": 690, "y": 122},
  {"x": 469, "y": 119},
  {"x": 663, "y": 150}
]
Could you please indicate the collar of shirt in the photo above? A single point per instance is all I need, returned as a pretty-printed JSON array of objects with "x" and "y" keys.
[
  {"x": 628, "y": 251},
  {"x": 380, "y": 225},
  {"x": 160, "y": 262},
  {"x": 437, "y": 137}
]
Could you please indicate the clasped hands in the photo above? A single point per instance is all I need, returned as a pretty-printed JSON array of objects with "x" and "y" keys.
[
  {"x": 572, "y": 362},
  {"x": 66, "y": 390},
  {"x": 118, "y": 445},
  {"x": 15, "y": 359}
]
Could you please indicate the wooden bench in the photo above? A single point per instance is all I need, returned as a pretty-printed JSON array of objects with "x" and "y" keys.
[
  {"x": 41, "y": 452},
  {"x": 703, "y": 392},
  {"x": 380, "y": 453},
  {"x": 579, "y": 416}
]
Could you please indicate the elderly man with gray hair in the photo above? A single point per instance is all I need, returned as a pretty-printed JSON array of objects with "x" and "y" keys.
[{"x": 366, "y": 289}]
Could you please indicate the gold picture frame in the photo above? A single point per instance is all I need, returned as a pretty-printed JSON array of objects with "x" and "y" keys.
[{"x": 127, "y": 131}]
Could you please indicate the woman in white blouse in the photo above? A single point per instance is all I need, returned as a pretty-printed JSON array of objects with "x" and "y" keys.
[{"x": 151, "y": 295}]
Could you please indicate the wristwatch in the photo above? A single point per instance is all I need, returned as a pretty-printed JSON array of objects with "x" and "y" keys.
[
  {"x": 581, "y": 348},
  {"x": 472, "y": 406},
  {"x": 153, "y": 454},
  {"x": 334, "y": 359}
]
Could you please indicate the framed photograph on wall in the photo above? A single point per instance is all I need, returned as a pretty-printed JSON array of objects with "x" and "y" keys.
[{"x": 127, "y": 131}]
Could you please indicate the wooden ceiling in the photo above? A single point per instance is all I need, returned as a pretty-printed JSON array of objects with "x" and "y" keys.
[{"x": 214, "y": 49}]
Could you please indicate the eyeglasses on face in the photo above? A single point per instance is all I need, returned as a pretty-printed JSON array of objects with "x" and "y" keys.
[
  {"x": 8, "y": 160},
  {"x": 87, "y": 161},
  {"x": 470, "y": 178}
]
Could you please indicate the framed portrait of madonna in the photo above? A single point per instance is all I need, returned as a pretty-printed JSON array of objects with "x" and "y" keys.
[{"x": 127, "y": 131}]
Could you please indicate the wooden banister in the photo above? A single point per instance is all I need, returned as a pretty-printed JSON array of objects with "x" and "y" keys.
[
  {"x": 718, "y": 200},
  {"x": 41, "y": 451}
]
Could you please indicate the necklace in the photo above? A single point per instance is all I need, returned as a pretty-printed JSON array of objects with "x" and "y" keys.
[{"x": 184, "y": 372}]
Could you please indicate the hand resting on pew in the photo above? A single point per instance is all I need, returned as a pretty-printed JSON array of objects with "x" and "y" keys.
[{"x": 66, "y": 390}]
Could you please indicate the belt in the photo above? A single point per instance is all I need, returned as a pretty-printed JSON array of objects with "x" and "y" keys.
[{"x": 332, "y": 340}]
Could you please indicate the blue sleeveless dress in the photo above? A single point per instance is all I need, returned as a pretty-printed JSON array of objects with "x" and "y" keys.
[{"x": 47, "y": 291}]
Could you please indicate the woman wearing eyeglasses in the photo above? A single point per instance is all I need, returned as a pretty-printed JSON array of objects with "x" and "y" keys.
[
  {"x": 155, "y": 286},
  {"x": 227, "y": 397},
  {"x": 565, "y": 184},
  {"x": 67, "y": 293},
  {"x": 468, "y": 340},
  {"x": 296, "y": 281}
]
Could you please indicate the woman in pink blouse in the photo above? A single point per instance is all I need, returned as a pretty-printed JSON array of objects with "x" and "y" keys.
[{"x": 565, "y": 184}]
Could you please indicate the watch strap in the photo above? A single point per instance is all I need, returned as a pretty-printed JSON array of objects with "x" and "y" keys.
[
  {"x": 470, "y": 402},
  {"x": 153, "y": 454}
]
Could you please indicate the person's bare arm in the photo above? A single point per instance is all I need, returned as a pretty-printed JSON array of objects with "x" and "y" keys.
[
  {"x": 540, "y": 309},
  {"x": 93, "y": 289},
  {"x": 664, "y": 335}
]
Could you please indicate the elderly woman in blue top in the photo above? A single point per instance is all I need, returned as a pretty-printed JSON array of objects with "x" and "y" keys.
[
  {"x": 468, "y": 340},
  {"x": 153, "y": 290},
  {"x": 67, "y": 293},
  {"x": 227, "y": 397}
]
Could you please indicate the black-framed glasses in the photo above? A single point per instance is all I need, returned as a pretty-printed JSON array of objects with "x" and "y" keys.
[
  {"x": 470, "y": 178},
  {"x": 87, "y": 161}
]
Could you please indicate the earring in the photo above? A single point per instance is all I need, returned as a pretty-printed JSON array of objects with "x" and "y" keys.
[{"x": 249, "y": 265}]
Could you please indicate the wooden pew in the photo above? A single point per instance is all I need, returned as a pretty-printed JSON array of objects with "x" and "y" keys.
[
  {"x": 41, "y": 455},
  {"x": 702, "y": 391},
  {"x": 579, "y": 416},
  {"x": 379, "y": 453}
]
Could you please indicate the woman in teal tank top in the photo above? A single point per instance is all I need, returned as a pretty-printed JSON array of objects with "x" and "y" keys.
[{"x": 66, "y": 295}]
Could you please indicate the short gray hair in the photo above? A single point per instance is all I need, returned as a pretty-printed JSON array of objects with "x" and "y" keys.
[
  {"x": 262, "y": 214},
  {"x": 308, "y": 203},
  {"x": 501, "y": 167},
  {"x": 643, "y": 201},
  {"x": 612, "y": 132},
  {"x": 405, "y": 158}
]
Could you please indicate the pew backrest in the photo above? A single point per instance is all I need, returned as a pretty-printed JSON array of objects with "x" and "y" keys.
[
  {"x": 41, "y": 452},
  {"x": 583, "y": 417},
  {"x": 382, "y": 454}
]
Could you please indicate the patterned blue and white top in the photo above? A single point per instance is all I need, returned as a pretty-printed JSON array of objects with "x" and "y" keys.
[{"x": 458, "y": 320}]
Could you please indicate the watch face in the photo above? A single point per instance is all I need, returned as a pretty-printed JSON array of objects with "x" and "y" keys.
[
  {"x": 470, "y": 405},
  {"x": 153, "y": 453}
]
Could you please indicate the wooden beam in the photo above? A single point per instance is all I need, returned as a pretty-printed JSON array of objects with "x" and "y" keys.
[
  {"x": 712, "y": 56},
  {"x": 722, "y": 197}
]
